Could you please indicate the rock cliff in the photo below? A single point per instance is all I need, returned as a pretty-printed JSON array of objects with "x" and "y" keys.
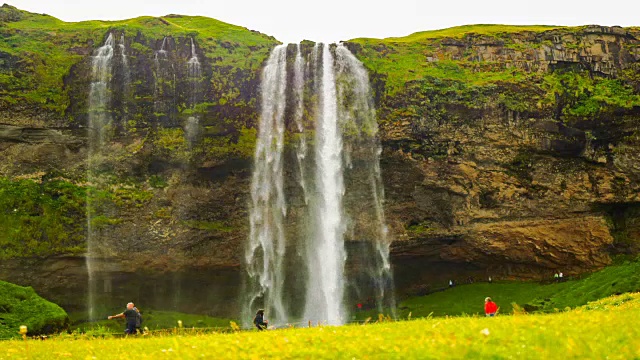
[{"x": 510, "y": 151}]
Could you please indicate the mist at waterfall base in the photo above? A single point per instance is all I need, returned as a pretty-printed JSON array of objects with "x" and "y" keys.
[{"x": 318, "y": 239}]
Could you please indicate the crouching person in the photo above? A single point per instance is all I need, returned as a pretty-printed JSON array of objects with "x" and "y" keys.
[{"x": 259, "y": 321}]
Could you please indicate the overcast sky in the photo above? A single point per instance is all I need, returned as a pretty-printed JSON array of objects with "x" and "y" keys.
[{"x": 334, "y": 20}]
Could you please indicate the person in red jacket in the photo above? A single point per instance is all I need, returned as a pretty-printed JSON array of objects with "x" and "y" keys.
[{"x": 490, "y": 308}]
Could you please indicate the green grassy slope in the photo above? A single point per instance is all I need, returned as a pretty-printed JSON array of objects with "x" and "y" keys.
[
  {"x": 469, "y": 299},
  {"x": 460, "y": 31}
]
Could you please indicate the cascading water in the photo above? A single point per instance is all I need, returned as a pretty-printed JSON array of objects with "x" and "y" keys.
[
  {"x": 126, "y": 80},
  {"x": 192, "y": 127},
  {"x": 345, "y": 128},
  {"x": 357, "y": 112},
  {"x": 301, "y": 146},
  {"x": 195, "y": 72},
  {"x": 98, "y": 124},
  {"x": 266, "y": 248},
  {"x": 99, "y": 95},
  {"x": 326, "y": 255},
  {"x": 125, "y": 61},
  {"x": 164, "y": 94}
]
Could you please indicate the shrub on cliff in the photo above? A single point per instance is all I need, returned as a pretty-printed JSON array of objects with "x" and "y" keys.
[{"x": 22, "y": 306}]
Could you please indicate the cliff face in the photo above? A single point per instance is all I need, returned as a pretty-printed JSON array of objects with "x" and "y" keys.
[
  {"x": 517, "y": 151},
  {"x": 506, "y": 151}
]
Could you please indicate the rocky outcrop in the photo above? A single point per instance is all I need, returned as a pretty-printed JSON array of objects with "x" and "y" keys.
[
  {"x": 601, "y": 49},
  {"x": 16, "y": 134}
]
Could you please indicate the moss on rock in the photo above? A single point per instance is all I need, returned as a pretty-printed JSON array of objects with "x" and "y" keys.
[{"x": 22, "y": 306}]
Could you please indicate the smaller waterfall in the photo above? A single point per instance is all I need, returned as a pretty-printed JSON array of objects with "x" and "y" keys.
[
  {"x": 194, "y": 63},
  {"x": 126, "y": 78},
  {"x": 192, "y": 130},
  {"x": 99, "y": 95},
  {"x": 98, "y": 126},
  {"x": 162, "y": 99},
  {"x": 125, "y": 61},
  {"x": 266, "y": 248},
  {"x": 162, "y": 53},
  {"x": 192, "y": 127},
  {"x": 195, "y": 73}
]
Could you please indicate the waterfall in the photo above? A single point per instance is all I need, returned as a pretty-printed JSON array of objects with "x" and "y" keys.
[
  {"x": 162, "y": 75},
  {"x": 326, "y": 256},
  {"x": 192, "y": 130},
  {"x": 358, "y": 116},
  {"x": 195, "y": 72},
  {"x": 99, "y": 120},
  {"x": 99, "y": 95},
  {"x": 126, "y": 78},
  {"x": 301, "y": 146},
  {"x": 162, "y": 53},
  {"x": 342, "y": 190},
  {"x": 266, "y": 248},
  {"x": 125, "y": 61},
  {"x": 192, "y": 127}
]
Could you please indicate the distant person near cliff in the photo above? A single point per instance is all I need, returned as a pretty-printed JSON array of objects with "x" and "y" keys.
[
  {"x": 132, "y": 317},
  {"x": 490, "y": 308}
]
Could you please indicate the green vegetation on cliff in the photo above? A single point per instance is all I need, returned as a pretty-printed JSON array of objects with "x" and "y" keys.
[
  {"x": 22, "y": 306},
  {"x": 37, "y": 52},
  {"x": 41, "y": 218},
  {"x": 505, "y": 61},
  {"x": 48, "y": 216}
]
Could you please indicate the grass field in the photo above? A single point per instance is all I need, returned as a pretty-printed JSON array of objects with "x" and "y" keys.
[
  {"x": 468, "y": 299},
  {"x": 152, "y": 319},
  {"x": 600, "y": 330}
]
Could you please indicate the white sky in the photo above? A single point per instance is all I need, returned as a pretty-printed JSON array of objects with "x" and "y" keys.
[{"x": 335, "y": 20}]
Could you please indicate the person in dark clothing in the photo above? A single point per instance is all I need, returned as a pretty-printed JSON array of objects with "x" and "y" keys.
[
  {"x": 259, "y": 321},
  {"x": 131, "y": 315}
]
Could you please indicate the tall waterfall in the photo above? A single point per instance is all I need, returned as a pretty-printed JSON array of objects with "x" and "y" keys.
[
  {"x": 99, "y": 121},
  {"x": 341, "y": 184},
  {"x": 326, "y": 255},
  {"x": 301, "y": 146},
  {"x": 266, "y": 250}
]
